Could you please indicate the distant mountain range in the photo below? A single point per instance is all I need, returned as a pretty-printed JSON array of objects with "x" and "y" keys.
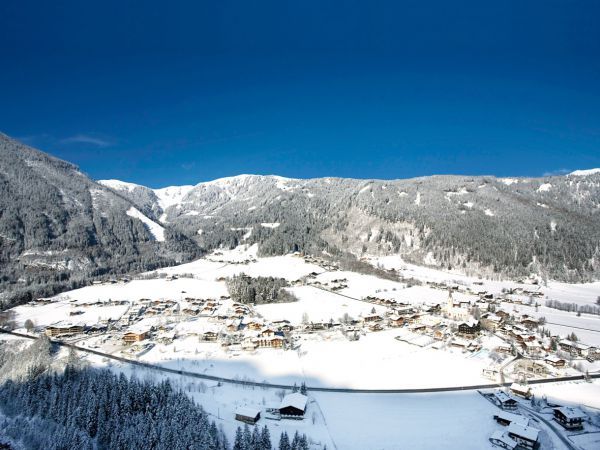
[{"x": 57, "y": 225}]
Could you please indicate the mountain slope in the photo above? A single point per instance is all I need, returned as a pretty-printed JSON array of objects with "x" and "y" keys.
[
  {"x": 484, "y": 225},
  {"x": 58, "y": 227}
]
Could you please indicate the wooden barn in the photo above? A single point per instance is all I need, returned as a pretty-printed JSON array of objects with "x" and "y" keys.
[
  {"x": 520, "y": 390},
  {"x": 247, "y": 415},
  {"x": 293, "y": 405}
]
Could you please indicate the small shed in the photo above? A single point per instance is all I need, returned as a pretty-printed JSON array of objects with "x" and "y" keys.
[
  {"x": 293, "y": 405},
  {"x": 247, "y": 415}
]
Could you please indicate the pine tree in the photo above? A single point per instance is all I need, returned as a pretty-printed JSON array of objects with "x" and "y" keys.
[{"x": 284, "y": 442}]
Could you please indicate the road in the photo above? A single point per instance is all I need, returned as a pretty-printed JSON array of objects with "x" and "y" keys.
[
  {"x": 552, "y": 426},
  {"x": 285, "y": 386}
]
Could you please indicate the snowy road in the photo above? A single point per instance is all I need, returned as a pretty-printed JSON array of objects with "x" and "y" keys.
[{"x": 285, "y": 386}]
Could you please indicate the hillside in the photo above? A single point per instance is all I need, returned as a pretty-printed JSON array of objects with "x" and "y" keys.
[
  {"x": 484, "y": 225},
  {"x": 58, "y": 227}
]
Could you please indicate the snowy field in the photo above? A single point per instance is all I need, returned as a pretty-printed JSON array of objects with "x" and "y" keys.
[
  {"x": 318, "y": 305},
  {"x": 376, "y": 361}
]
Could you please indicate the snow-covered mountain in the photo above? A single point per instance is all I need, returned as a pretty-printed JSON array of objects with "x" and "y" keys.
[
  {"x": 493, "y": 226},
  {"x": 58, "y": 227}
]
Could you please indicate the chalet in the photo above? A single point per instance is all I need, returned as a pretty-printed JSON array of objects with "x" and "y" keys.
[
  {"x": 532, "y": 347},
  {"x": 500, "y": 439},
  {"x": 372, "y": 318},
  {"x": 254, "y": 325},
  {"x": 503, "y": 348},
  {"x": 270, "y": 342},
  {"x": 525, "y": 436},
  {"x": 529, "y": 323},
  {"x": 247, "y": 415},
  {"x": 469, "y": 328},
  {"x": 554, "y": 361},
  {"x": 491, "y": 321},
  {"x": 233, "y": 325},
  {"x": 209, "y": 336},
  {"x": 375, "y": 327},
  {"x": 502, "y": 314},
  {"x": 520, "y": 390},
  {"x": 505, "y": 401},
  {"x": 506, "y": 418},
  {"x": 136, "y": 336},
  {"x": 293, "y": 405},
  {"x": 570, "y": 418},
  {"x": 64, "y": 329},
  {"x": 267, "y": 332}
]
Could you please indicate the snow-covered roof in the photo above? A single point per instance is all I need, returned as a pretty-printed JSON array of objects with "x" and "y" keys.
[
  {"x": 503, "y": 437},
  {"x": 513, "y": 418},
  {"x": 529, "y": 433},
  {"x": 296, "y": 400},
  {"x": 519, "y": 387},
  {"x": 502, "y": 396},
  {"x": 67, "y": 324},
  {"x": 571, "y": 413},
  {"x": 247, "y": 412}
]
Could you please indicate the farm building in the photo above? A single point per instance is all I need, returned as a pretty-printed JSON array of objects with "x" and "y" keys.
[
  {"x": 247, "y": 415},
  {"x": 293, "y": 405},
  {"x": 520, "y": 390},
  {"x": 570, "y": 418},
  {"x": 506, "y": 418},
  {"x": 525, "y": 436}
]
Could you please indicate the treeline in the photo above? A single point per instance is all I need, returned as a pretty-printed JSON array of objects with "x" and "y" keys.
[
  {"x": 258, "y": 290},
  {"x": 260, "y": 439},
  {"x": 96, "y": 407},
  {"x": 45, "y": 407},
  {"x": 573, "y": 307}
]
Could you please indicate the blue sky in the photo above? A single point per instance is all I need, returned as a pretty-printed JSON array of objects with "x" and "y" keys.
[{"x": 181, "y": 92}]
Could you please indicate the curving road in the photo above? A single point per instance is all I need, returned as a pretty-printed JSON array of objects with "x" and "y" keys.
[{"x": 286, "y": 386}]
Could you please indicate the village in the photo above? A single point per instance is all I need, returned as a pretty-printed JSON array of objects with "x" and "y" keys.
[{"x": 184, "y": 318}]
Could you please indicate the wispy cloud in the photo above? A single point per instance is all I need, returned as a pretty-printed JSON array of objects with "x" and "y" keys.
[
  {"x": 556, "y": 172},
  {"x": 86, "y": 139}
]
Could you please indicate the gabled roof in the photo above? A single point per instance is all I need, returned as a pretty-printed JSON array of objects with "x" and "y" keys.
[
  {"x": 525, "y": 432},
  {"x": 571, "y": 413},
  {"x": 513, "y": 418},
  {"x": 503, "y": 437},
  {"x": 296, "y": 400},
  {"x": 248, "y": 412}
]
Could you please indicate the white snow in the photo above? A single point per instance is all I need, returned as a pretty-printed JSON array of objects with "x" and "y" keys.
[
  {"x": 585, "y": 172},
  {"x": 544, "y": 187},
  {"x": 157, "y": 231},
  {"x": 489, "y": 212},
  {"x": 270, "y": 224},
  {"x": 418, "y": 199},
  {"x": 509, "y": 181},
  {"x": 172, "y": 195},
  {"x": 119, "y": 185}
]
